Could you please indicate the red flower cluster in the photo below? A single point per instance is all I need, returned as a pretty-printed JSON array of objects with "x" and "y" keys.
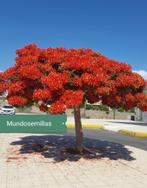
[
  {"x": 143, "y": 106},
  {"x": 3, "y": 84},
  {"x": 17, "y": 100},
  {"x": 72, "y": 98},
  {"x": 76, "y": 81},
  {"x": 129, "y": 100},
  {"x": 31, "y": 72},
  {"x": 16, "y": 87},
  {"x": 103, "y": 91},
  {"x": 114, "y": 67},
  {"x": 141, "y": 100},
  {"x": 57, "y": 108},
  {"x": 41, "y": 94},
  {"x": 10, "y": 72},
  {"x": 95, "y": 80},
  {"x": 55, "y": 81},
  {"x": 140, "y": 97},
  {"x": 130, "y": 80},
  {"x": 3, "y": 87},
  {"x": 113, "y": 101}
]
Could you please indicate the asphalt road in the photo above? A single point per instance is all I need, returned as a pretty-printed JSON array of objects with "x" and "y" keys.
[{"x": 115, "y": 137}]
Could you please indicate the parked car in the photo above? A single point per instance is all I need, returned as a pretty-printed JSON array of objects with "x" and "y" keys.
[{"x": 8, "y": 110}]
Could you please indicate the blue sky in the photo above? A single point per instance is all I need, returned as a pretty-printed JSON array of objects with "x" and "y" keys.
[{"x": 116, "y": 28}]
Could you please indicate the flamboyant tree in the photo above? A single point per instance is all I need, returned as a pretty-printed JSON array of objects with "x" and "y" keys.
[{"x": 59, "y": 78}]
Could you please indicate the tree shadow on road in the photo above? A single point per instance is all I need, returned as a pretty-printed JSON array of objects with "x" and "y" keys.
[{"x": 59, "y": 148}]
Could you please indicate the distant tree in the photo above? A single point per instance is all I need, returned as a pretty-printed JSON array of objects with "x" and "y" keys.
[
  {"x": 59, "y": 78},
  {"x": 3, "y": 84}
]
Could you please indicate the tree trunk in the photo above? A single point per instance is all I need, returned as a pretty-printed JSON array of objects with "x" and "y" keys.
[
  {"x": 78, "y": 130},
  {"x": 84, "y": 114},
  {"x": 114, "y": 113}
]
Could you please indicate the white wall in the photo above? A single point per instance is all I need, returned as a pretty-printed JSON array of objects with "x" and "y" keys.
[
  {"x": 140, "y": 116},
  {"x": 144, "y": 116}
]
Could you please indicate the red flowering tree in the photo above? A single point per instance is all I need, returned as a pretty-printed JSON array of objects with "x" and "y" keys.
[{"x": 59, "y": 78}]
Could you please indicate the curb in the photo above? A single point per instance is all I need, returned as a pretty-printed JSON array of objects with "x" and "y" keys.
[
  {"x": 90, "y": 126},
  {"x": 133, "y": 133},
  {"x": 100, "y": 126}
]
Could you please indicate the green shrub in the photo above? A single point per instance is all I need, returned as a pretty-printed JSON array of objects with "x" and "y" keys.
[
  {"x": 120, "y": 109},
  {"x": 97, "y": 107}
]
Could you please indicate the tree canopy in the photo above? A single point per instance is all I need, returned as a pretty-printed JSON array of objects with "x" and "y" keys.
[{"x": 59, "y": 78}]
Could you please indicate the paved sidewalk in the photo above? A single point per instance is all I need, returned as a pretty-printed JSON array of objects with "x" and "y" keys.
[{"x": 27, "y": 170}]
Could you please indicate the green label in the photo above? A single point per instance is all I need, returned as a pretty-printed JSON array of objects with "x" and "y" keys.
[{"x": 33, "y": 123}]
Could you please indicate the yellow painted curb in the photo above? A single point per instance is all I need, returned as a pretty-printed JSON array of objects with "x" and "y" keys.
[
  {"x": 91, "y": 126},
  {"x": 133, "y": 133}
]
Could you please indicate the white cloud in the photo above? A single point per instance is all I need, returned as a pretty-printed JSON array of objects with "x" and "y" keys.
[{"x": 143, "y": 73}]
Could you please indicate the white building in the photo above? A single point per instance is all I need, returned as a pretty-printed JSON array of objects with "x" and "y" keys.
[{"x": 141, "y": 116}]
